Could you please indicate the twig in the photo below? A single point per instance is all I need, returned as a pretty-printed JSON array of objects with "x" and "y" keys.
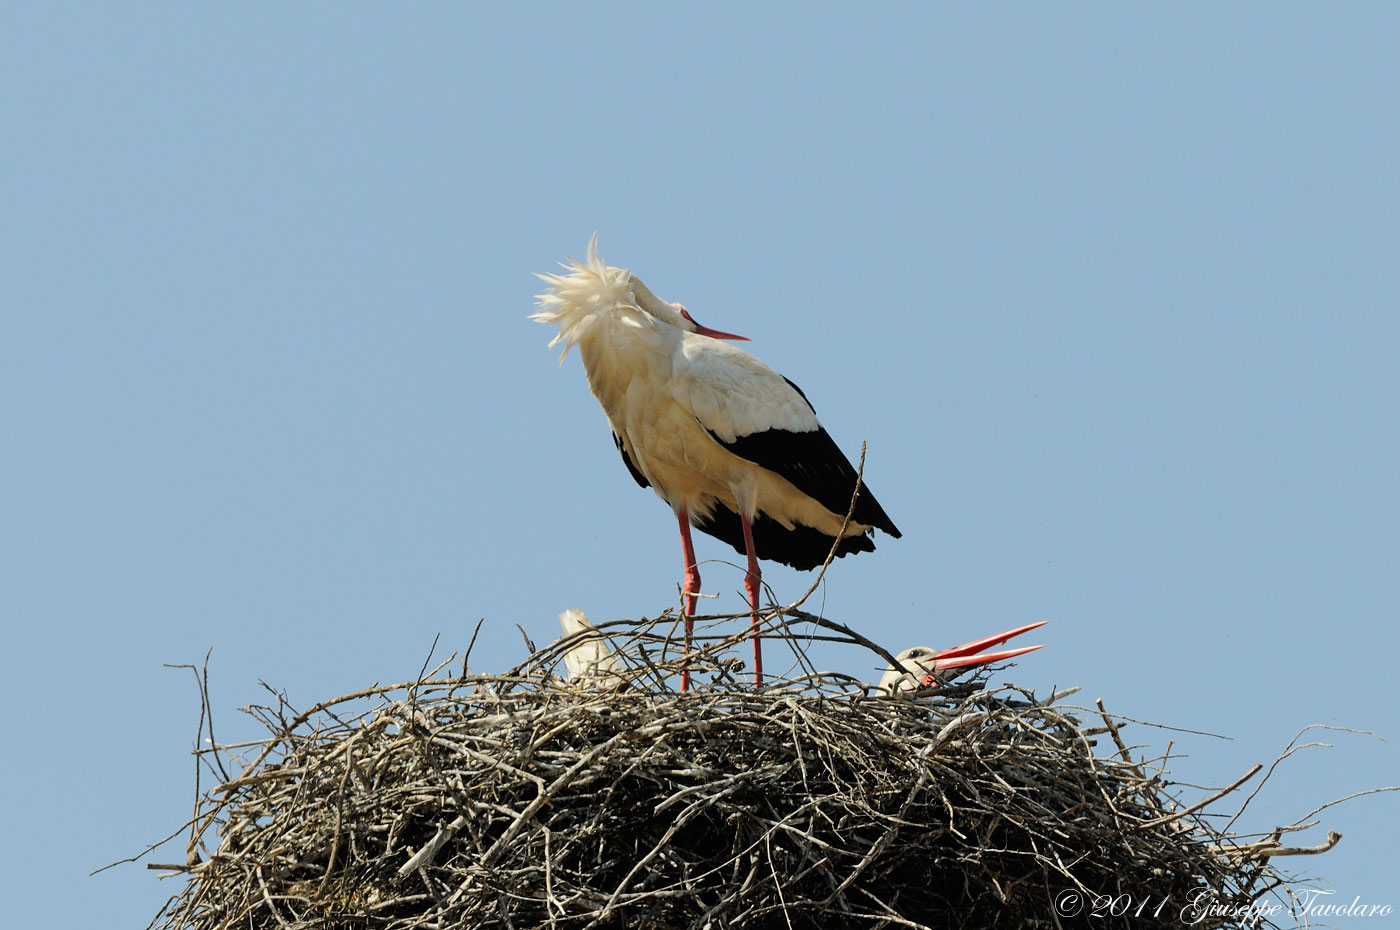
[
  {"x": 1203, "y": 803},
  {"x": 524, "y": 800}
]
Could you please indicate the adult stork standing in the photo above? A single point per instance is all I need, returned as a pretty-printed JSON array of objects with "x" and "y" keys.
[{"x": 734, "y": 447}]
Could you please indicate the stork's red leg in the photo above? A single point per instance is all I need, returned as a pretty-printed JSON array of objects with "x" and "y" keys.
[
  {"x": 692, "y": 588},
  {"x": 751, "y": 585}
]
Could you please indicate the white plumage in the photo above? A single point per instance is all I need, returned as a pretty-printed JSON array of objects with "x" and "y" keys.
[
  {"x": 930, "y": 665},
  {"x": 731, "y": 445},
  {"x": 590, "y": 658}
]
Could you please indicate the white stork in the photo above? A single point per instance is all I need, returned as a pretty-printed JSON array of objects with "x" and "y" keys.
[
  {"x": 590, "y": 659},
  {"x": 931, "y": 663},
  {"x": 734, "y": 447}
]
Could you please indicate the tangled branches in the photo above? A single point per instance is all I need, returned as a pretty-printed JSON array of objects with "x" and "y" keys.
[{"x": 527, "y": 801}]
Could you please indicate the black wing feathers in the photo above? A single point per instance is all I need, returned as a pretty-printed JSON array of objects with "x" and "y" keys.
[
  {"x": 815, "y": 465},
  {"x": 627, "y": 460},
  {"x": 800, "y": 394},
  {"x": 802, "y": 547}
]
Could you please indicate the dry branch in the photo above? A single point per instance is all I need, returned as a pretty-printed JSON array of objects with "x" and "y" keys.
[{"x": 522, "y": 800}]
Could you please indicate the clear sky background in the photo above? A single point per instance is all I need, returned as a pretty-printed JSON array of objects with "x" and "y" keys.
[{"x": 1113, "y": 294}]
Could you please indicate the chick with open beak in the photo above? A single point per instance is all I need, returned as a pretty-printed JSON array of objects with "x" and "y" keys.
[{"x": 924, "y": 667}]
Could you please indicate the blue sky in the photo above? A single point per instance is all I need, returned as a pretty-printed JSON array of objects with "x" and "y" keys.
[{"x": 1111, "y": 293}]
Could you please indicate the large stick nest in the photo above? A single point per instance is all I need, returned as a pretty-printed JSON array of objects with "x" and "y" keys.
[{"x": 524, "y": 800}]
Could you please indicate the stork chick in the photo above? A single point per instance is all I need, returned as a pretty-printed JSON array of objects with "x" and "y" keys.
[
  {"x": 928, "y": 666},
  {"x": 590, "y": 658}
]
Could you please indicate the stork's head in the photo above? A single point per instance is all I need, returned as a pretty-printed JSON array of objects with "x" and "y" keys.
[
  {"x": 924, "y": 667},
  {"x": 593, "y": 291}
]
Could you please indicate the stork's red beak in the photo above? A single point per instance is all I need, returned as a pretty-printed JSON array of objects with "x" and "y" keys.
[
  {"x": 966, "y": 655},
  {"x": 712, "y": 333}
]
